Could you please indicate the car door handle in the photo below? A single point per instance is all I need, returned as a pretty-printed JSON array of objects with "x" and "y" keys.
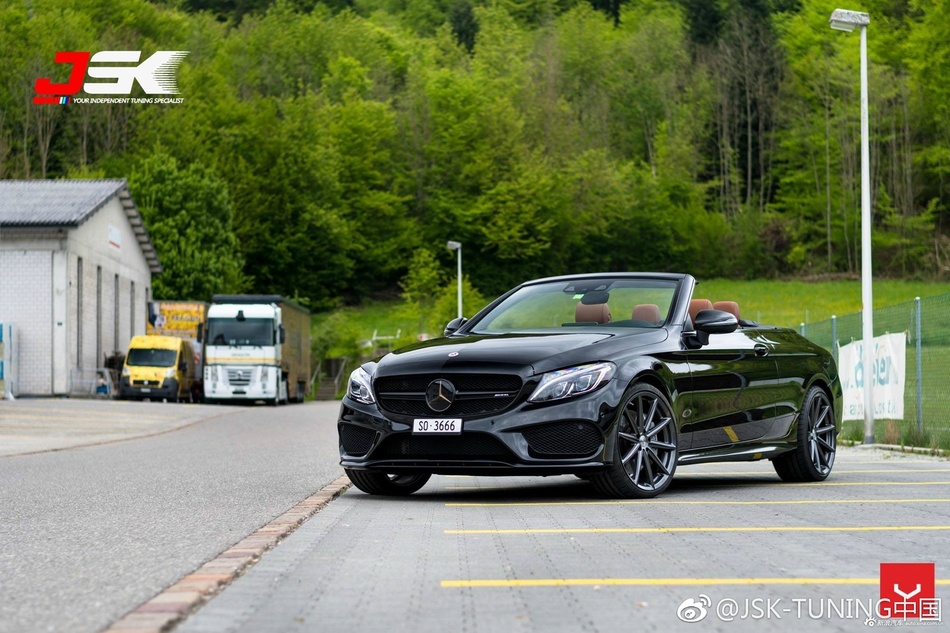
[{"x": 761, "y": 350}]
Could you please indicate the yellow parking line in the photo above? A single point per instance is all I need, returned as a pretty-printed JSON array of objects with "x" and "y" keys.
[
  {"x": 688, "y": 503},
  {"x": 669, "y": 530},
  {"x": 561, "y": 582}
]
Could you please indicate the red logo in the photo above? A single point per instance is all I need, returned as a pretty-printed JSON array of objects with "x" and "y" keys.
[
  {"x": 907, "y": 592},
  {"x": 156, "y": 75}
]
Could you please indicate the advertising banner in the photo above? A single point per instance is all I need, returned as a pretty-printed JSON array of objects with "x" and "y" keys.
[{"x": 888, "y": 372}]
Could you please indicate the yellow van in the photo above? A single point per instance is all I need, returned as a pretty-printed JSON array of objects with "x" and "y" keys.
[{"x": 158, "y": 368}]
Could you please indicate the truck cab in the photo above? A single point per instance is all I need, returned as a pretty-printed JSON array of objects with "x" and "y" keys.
[{"x": 158, "y": 368}]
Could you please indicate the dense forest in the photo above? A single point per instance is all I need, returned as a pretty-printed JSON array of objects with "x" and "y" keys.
[{"x": 325, "y": 149}]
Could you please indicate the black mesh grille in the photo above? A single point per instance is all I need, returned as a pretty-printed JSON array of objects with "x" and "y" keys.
[
  {"x": 356, "y": 440},
  {"x": 564, "y": 438},
  {"x": 477, "y": 394},
  {"x": 467, "y": 445}
]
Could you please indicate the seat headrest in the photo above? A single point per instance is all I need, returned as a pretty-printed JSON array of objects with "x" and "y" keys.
[
  {"x": 646, "y": 312},
  {"x": 728, "y": 306},
  {"x": 595, "y": 312},
  {"x": 698, "y": 304}
]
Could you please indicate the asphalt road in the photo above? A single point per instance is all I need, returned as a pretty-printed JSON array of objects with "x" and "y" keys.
[{"x": 89, "y": 533}]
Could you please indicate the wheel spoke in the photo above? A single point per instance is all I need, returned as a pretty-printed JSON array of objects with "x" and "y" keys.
[
  {"x": 652, "y": 414},
  {"x": 652, "y": 454},
  {"x": 664, "y": 445},
  {"x": 634, "y": 450},
  {"x": 628, "y": 436},
  {"x": 649, "y": 470},
  {"x": 826, "y": 444},
  {"x": 637, "y": 468},
  {"x": 664, "y": 422}
]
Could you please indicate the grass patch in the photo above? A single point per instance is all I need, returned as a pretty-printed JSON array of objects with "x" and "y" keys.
[{"x": 790, "y": 303}]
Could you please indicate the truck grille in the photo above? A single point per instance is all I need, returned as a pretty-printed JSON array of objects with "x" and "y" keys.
[
  {"x": 239, "y": 377},
  {"x": 477, "y": 395}
]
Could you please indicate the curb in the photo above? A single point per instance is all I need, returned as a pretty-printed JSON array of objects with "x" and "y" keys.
[
  {"x": 186, "y": 596},
  {"x": 897, "y": 448}
]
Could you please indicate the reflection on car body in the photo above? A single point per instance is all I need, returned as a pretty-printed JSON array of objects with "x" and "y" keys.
[{"x": 615, "y": 377}]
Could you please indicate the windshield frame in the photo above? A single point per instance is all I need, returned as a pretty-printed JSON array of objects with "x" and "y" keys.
[{"x": 586, "y": 289}]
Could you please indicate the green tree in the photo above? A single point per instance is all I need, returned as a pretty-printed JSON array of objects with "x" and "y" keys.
[{"x": 188, "y": 215}]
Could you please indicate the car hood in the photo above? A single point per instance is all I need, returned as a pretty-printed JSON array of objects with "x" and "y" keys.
[{"x": 523, "y": 353}]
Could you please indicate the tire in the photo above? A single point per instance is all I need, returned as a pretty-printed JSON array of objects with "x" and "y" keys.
[
  {"x": 389, "y": 485},
  {"x": 816, "y": 441},
  {"x": 644, "y": 447}
]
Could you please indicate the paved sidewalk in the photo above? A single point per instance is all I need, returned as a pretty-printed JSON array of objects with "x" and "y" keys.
[{"x": 50, "y": 424}]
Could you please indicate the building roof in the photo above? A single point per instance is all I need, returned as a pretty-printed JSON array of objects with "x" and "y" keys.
[{"x": 67, "y": 204}]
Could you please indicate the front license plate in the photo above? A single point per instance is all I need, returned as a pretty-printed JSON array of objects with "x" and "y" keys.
[
  {"x": 437, "y": 426},
  {"x": 146, "y": 390}
]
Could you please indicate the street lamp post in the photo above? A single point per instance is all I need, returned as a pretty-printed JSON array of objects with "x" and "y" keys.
[
  {"x": 457, "y": 247},
  {"x": 843, "y": 20}
]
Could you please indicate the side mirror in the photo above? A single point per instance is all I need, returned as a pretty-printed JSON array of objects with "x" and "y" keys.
[
  {"x": 454, "y": 325},
  {"x": 281, "y": 334},
  {"x": 713, "y": 322}
]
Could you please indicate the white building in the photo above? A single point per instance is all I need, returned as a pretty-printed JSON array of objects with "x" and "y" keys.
[{"x": 76, "y": 266}]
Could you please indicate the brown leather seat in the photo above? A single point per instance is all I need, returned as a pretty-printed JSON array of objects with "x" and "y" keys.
[
  {"x": 728, "y": 306},
  {"x": 593, "y": 313},
  {"x": 696, "y": 305},
  {"x": 649, "y": 312}
]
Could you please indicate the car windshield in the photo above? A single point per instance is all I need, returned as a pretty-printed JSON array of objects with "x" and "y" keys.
[
  {"x": 246, "y": 332},
  {"x": 599, "y": 302},
  {"x": 151, "y": 357}
]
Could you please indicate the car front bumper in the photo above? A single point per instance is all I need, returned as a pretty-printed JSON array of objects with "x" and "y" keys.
[{"x": 527, "y": 439}]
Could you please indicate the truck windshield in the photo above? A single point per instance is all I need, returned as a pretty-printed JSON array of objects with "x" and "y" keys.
[
  {"x": 246, "y": 332},
  {"x": 151, "y": 357}
]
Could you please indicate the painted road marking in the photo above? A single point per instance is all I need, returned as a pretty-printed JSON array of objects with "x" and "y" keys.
[
  {"x": 687, "y": 503},
  {"x": 668, "y": 530},
  {"x": 561, "y": 582}
]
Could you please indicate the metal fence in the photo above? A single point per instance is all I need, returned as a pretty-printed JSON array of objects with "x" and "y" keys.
[{"x": 927, "y": 382}]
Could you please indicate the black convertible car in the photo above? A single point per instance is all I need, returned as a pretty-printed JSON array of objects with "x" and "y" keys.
[{"x": 615, "y": 377}]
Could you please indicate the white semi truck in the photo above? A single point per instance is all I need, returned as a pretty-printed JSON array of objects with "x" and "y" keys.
[{"x": 257, "y": 347}]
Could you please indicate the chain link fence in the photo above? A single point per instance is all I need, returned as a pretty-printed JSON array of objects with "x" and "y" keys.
[{"x": 926, "y": 322}]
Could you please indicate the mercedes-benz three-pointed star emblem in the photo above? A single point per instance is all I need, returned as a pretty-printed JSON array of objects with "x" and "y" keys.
[{"x": 440, "y": 394}]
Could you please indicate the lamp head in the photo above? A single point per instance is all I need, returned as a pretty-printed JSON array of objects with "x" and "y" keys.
[
  {"x": 453, "y": 245},
  {"x": 844, "y": 20}
]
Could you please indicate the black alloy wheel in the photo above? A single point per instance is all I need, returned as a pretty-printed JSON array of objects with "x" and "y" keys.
[
  {"x": 644, "y": 447},
  {"x": 384, "y": 484},
  {"x": 814, "y": 453}
]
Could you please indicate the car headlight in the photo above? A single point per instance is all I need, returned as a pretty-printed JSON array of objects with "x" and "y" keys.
[
  {"x": 360, "y": 387},
  {"x": 125, "y": 371},
  {"x": 170, "y": 373},
  {"x": 572, "y": 381}
]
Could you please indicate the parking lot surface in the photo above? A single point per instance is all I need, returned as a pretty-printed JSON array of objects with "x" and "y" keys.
[{"x": 482, "y": 554}]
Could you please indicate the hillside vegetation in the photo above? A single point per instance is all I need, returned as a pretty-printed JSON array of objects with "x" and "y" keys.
[{"x": 324, "y": 149}]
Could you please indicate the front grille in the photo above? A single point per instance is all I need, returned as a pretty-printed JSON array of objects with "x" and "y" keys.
[
  {"x": 478, "y": 395},
  {"x": 356, "y": 440},
  {"x": 146, "y": 383},
  {"x": 566, "y": 438},
  {"x": 464, "y": 446},
  {"x": 239, "y": 377}
]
